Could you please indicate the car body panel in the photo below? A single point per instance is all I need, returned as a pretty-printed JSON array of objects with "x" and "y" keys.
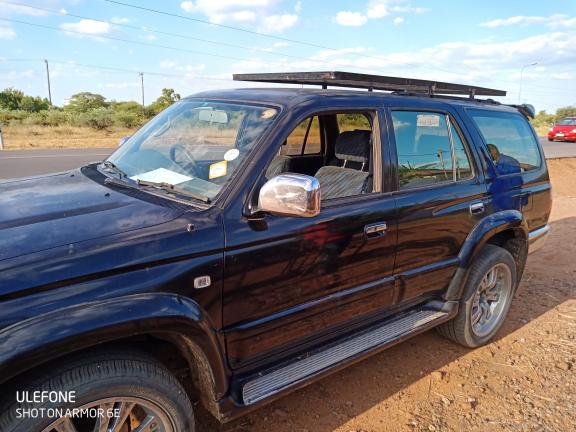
[{"x": 44, "y": 337}]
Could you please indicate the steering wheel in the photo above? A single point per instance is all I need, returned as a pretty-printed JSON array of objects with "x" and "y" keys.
[{"x": 180, "y": 155}]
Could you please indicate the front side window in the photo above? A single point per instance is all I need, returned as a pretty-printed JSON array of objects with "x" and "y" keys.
[
  {"x": 194, "y": 146},
  {"x": 429, "y": 149},
  {"x": 509, "y": 140}
]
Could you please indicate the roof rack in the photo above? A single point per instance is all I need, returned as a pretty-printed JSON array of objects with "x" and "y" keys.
[{"x": 370, "y": 82}]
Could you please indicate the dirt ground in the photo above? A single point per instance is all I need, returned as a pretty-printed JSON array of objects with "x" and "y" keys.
[
  {"x": 50, "y": 137},
  {"x": 523, "y": 381}
]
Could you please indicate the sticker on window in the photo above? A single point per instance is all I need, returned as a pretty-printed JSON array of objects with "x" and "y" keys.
[
  {"x": 428, "y": 120},
  {"x": 268, "y": 114},
  {"x": 162, "y": 175},
  {"x": 231, "y": 154},
  {"x": 218, "y": 169}
]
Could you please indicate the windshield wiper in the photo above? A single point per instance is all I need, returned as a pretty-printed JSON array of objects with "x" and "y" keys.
[
  {"x": 119, "y": 183},
  {"x": 111, "y": 166},
  {"x": 170, "y": 188}
]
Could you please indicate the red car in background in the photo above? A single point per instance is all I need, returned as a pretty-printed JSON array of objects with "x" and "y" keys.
[{"x": 564, "y": 130}]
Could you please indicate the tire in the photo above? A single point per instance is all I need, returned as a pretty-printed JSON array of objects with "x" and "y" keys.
[
  {"x": 461, "y": 329},
  {"x": 137, "y": 385}
]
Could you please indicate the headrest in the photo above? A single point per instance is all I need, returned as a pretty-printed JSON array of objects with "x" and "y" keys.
[{"x": 353, "y": 146}]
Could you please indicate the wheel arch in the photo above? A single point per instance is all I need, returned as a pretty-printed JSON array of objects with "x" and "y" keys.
[
  {"x": 507, "y": 229},
  {"x": 171, "y": 328}
]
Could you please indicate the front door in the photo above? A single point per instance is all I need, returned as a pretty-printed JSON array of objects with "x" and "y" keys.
[{"x": 291, "y": 283}]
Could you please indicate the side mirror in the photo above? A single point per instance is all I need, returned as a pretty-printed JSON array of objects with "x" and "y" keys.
[
  {"x": 290, "y": 195},
  {"x": 123, "y": 140}
]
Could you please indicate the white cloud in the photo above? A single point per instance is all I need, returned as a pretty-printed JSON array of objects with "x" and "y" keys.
[
  {"x": 554, "y": 21},
  {"x": 278, "y": 23},
  {"x": 7, "y": 32},
  {"x": 265, "y": 15},
  {"x": 86, "y": 26},
  {"x": 353, "y": 19},
  {"x": 562, "y": 76},
  {"x": 298, "y": 7},
  {"x": 378, "y": 9},
  {"x": 15, "y": 9},
  {"x": 120, "y": 20},
  {"x": 177, "y": 67}
]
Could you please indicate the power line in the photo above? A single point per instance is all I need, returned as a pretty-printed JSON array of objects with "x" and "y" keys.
[
  {"x": 229, "y": 27},
  {"x": 150, "y": 30},
  {"x": 172, "y": 48},
  {"x": 120, "y": 70},
  {"x": 300, "y": 42}
]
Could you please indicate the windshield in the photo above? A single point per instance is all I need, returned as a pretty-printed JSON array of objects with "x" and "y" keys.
[
  {"x": 194, "y": 146},
  {"x": 567, "y": 122}
]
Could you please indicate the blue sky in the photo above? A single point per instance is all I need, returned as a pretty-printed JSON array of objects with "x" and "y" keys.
[{"x": 487, "y": 43}]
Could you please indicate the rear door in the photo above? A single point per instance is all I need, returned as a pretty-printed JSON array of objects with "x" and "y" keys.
[
  {"x": 440, "y": 195},
  {"x": 292, "y": 283}
]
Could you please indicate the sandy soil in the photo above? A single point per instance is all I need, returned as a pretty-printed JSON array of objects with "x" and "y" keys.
[{"x": 524, "y": 381}]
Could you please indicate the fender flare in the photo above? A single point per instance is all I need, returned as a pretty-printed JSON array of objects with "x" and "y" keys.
[
  {"x": 37, "y": 340},
  {"x": 487, "y": 228}
]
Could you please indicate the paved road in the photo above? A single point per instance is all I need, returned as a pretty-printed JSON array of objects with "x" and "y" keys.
[
  {"x": 23, "y": 163},
  {"x": 558, "y": 149}
]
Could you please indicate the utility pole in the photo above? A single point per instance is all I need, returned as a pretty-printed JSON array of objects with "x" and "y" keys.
[
  {"x": 48, "y": 79},
  {"x": 142, "y": 84}
]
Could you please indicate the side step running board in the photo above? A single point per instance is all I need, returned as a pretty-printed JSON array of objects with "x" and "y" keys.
[{"x": 293, "y": 373}]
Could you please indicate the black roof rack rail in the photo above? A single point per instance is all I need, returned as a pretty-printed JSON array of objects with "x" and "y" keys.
[{"x": 370, "y": 82}]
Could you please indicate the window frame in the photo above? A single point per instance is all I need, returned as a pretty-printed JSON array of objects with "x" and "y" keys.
[
  {"x": 541, "y": 157},
  {"x": 452, "y": 125},
  {"x": 306, "y": 135},
  {"x": 374, "y": 115}
]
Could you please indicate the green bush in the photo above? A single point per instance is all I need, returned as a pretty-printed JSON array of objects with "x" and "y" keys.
[
  {"x": 127, "y": 119},
  {"x": 57, "y": 118},
  {"x": 99, "y": 118},
  {"x": 35, "y": 119},
  {"x": 8, "y": 117}
]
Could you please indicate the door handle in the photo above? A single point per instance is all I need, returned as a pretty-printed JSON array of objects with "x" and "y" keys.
[
  {"x": 375, "y": 230},
  {"x": 477, "y": 208}
]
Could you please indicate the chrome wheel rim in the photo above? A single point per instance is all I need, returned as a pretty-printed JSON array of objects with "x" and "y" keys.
[
  {"x": 491, "y": 298},
  {"x": 128, "y": 414}
]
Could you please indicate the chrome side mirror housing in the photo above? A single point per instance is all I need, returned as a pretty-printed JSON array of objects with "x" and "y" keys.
[{"x": 290, "y": 195}]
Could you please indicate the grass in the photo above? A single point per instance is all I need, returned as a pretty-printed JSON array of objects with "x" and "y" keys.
[{"x": 22, "y": 137}]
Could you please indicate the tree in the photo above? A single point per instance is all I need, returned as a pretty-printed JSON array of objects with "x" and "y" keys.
[
  {"x": 168, "y": 97},
  {"x": 85, "y": 101},
  {"x": 569, "y": 111},
  {"x": 34, "y": 104},
  {"x": 11, "y": 99}
]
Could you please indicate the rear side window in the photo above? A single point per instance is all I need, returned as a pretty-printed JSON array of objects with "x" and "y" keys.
[
  {"x": 425, "y": 142},
  {"x": 509, "y": 139}
]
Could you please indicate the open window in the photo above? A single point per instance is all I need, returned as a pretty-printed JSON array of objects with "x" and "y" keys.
[{"x": 336, "y": 148}]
